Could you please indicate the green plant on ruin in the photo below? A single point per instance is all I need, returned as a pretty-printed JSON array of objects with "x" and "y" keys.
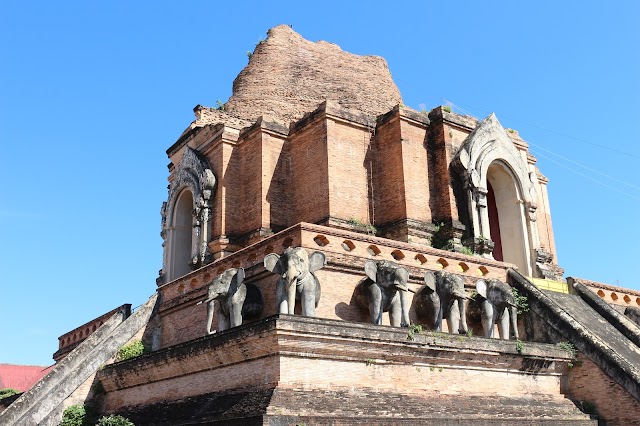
[
  {"x": 369, "y": 361},
  {"x": 363, "y": 225},
  {"x": 114, "y": 420},
  {"x": 519, "y": 346},
  {"x": 77, "y": 415},
  {"x": 249, "y": 54},
  {"x": 131, "y": 350},
  {"x": 7, "y": 392},
  {"x": 413, "y": 330},
  {"x": 511, "y": 131},
  {"x": 447, "y": 108},
  {"x": 467, "y": 251},
  {"x": 437, "y": 240},
  {"x": 572, "y": 351},
  {"x": 440, "y": 239},
  {"x": 522, "y": 302},
  {"x": 219, "y": 105}
]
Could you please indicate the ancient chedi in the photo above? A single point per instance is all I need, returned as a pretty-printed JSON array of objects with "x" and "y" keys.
[
  {"x": 284, "y": 155},
  {"x": 322, "y": 221}
]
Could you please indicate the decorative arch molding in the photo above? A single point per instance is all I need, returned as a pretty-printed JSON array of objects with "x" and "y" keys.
[
  {"x": 490, "y": 145},
  {"x": 194, "y": 174}
]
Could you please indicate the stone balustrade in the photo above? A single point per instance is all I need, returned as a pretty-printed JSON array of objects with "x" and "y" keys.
[{"x": 617, "y": 296}]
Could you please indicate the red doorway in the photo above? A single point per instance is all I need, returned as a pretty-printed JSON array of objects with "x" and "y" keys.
[{"x": 494, "y": 223}]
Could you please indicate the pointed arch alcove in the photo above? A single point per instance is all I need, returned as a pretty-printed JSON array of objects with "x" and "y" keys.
[
  {"x": 181, "y": 236},
  {"x": 507, "y": 223},
  {"x": 501, "y": 195},
  {"x": 186, "y": 217}
]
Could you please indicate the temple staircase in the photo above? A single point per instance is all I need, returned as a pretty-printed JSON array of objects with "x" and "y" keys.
[{"x": 43, "y": 404}]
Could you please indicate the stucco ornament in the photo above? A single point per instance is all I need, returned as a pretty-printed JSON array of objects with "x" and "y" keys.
[
  {"x": 498, "y": 306},
  {"x": 236, "y": 300},
  {"x": 296, "y": 269},
  {"x": 487, "y": 145},
  {"x": 192, "y": 173},
  {"x": 385, "y": 290},
  {"x": 442, "y": 297}
]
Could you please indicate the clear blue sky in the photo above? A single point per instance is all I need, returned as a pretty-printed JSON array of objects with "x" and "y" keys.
[{"x": 93, "y": 93}]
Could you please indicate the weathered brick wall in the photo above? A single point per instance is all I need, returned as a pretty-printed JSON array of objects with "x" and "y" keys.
[
  {"x": 183, "y": 320},
  {"x": 388, "y": 178},
  {"x": 416, "y": 169},
  {"x": 250, "y": 214},
  {"x": 442, "y": 199},
  {"x": 347, "y": 146},
  {"x": 618, "y": 297},
  {"x": 288, "y": 76},
  {"x": 337, "y": 363},
  {"x": 309, "y": 182},
  {"x": 586, "y": 382},
  {"x": 276, "y": 174},
  {"x": 71, "y": 339}
]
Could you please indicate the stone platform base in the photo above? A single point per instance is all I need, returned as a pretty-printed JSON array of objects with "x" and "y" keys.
[{"x": 290, "y": 370}]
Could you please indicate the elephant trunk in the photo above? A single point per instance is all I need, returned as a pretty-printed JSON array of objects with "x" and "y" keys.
[
  {"x": 462, "y": 307},
  {"x": 291, "y": 277},
  {"x": 513, "y": 311}
]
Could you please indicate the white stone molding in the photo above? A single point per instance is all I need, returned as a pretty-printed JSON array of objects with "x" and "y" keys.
[
  {"x": 489, "y": 145},
  {"x": 193, "y": 174}
]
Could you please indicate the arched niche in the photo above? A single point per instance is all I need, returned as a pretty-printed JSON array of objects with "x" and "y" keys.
[
  {"x": 186, "y": 217},
  {"x": 489, "y": 159},
  {"x": 181, "y": 236},
  {"x": 507, "y": 224}
]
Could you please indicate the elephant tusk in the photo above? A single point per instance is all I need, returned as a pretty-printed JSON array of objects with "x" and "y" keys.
[
  {"x": 405, "y": 289},
  {"x": 205, "y": 301}
]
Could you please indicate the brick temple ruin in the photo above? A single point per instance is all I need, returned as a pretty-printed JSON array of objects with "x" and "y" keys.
[{"x": 315, "y": 149}]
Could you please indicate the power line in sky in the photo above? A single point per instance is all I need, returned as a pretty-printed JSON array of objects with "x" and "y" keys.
[
  {"x": 539, "y": 154},
  {"x": 587, "y": 176},
  {"x": 551, "y": 131}
]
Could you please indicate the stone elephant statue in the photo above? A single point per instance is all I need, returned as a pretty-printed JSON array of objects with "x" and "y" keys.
[
  {"x": 236, "y": 300},
  {"x": 497, "y": 305},
  {"x": 297, "y": 279},
  {"x": 385, "y": 290},
  {"x": 633, "y": 314},
  {"x": 443, "y": 297}
]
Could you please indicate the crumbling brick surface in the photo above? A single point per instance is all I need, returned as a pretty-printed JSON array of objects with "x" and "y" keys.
[
  {"x": 588, "y": 383},
  {"x": 288, "y": 76}
]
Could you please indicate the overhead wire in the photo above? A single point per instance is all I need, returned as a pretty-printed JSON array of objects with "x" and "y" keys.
[
  {"x": 560, "y": 134},
  {"x": 587, "y": 176},
  {"x": 539, "y": 154}
]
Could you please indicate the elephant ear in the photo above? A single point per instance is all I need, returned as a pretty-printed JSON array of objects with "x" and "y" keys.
[
  {"x": 430, "y": 280},
  {"x": 272, "y": 264},
  {"x": 239, "y": 276},
  {"x": 317, "y": 260},
  {"x": 481, "y": 288},
  {"x": 371, "y": 270},
  {"x": 403, "y": 276}
]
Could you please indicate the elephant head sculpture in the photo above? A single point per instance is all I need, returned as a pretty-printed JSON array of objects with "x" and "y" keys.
[
  {"x": 443, "y": 296},
  {"x": 297, "y": 279},
  {"x": 235, "y": 298},
  {"x": 385, "y": 290},
  {"x": 497, "y": 305}
]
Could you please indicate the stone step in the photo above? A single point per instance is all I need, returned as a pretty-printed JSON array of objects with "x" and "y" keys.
[
  {"x": 534, "y": 409},
  {"x": 332, "y": 408}
]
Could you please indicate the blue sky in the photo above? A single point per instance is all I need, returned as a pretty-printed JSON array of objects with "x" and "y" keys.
[{"x": 93, "y": 93}]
